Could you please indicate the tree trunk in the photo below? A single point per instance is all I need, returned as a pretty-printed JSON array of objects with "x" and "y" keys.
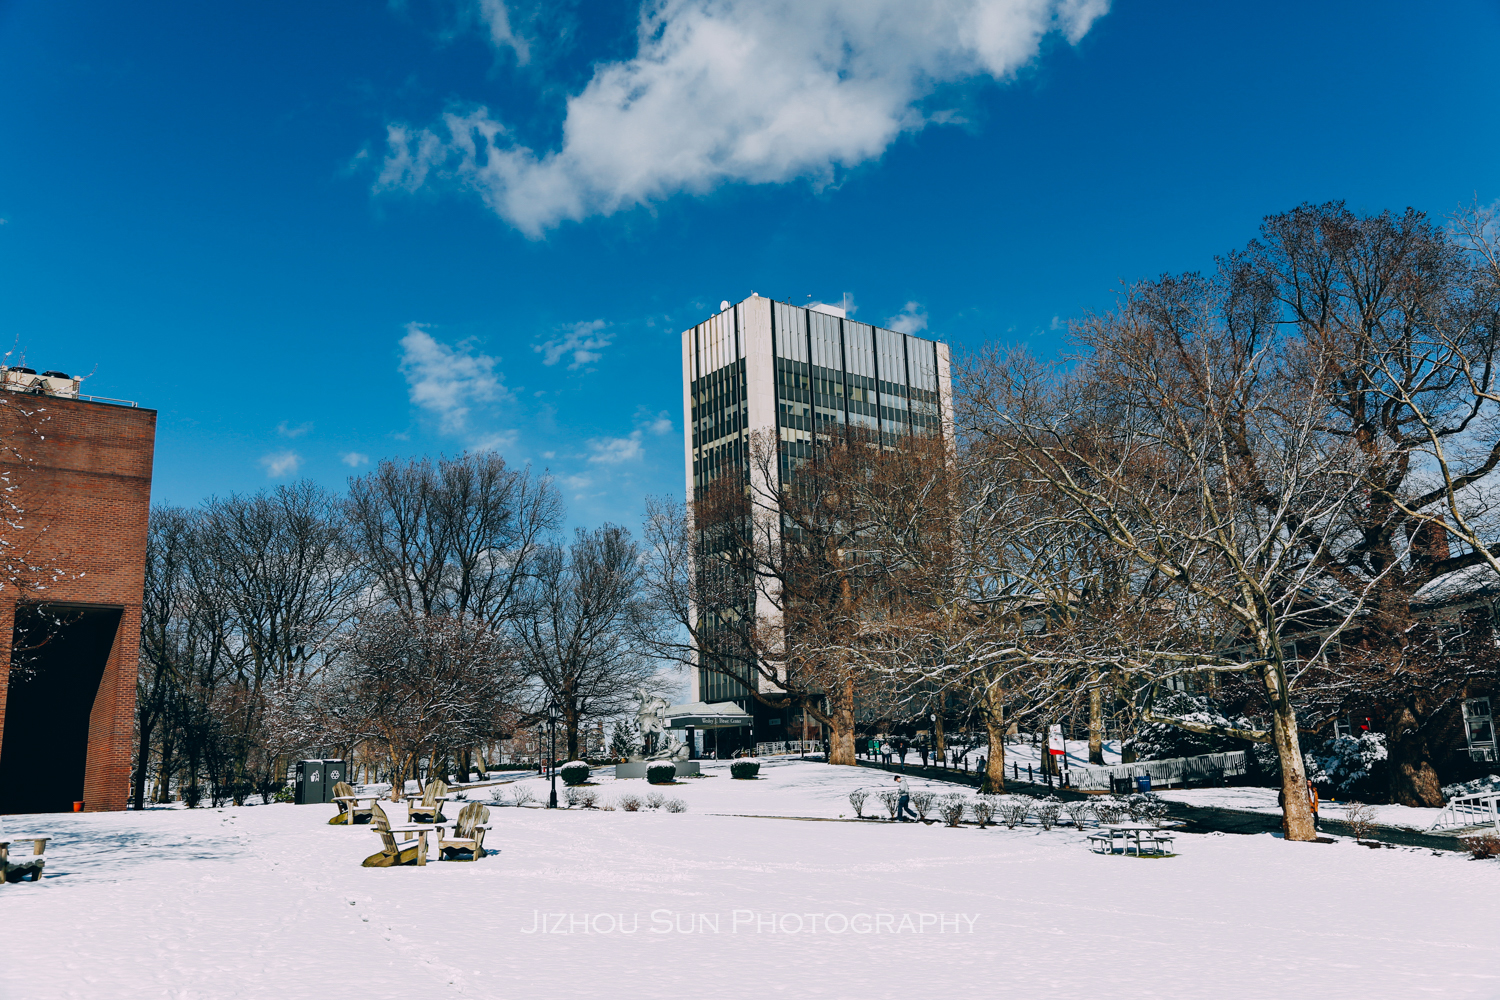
[
  {"x": 841, "y": 740},
  {"x": 1096, "y": 726},
  {"x": 993, "y": 709},
  {"x": 939, "y": 746},
  {"x": 143, "y": 761},
  {"x": 1412, "y": 778},
  {"x": 1297, "y": 817}
]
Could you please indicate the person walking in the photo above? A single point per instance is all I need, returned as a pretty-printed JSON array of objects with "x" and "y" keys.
[
  {"x": 1312, "y": 800},
  {"x": 885, "y": 751},
  {"x": 903, "y": 800},
  {"x": 901, "y": 748}
]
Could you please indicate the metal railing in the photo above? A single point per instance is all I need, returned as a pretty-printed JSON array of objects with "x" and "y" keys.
[
  {"x": 1164, "y": 773},
  {"x": 787, "y": 747},
  {"x": 1470, "y": 810}
]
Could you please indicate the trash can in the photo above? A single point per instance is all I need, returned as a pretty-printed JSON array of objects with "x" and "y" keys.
[
  {"x": 334, "y": 771},
  {"x": 1143, "y": 783},
  {"x": 310, "y": 783}
]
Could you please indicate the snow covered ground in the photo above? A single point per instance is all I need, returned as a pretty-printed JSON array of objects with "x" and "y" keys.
[
  {"x": 269, "y": 901},
  {"x": 1264, "y": 800}
]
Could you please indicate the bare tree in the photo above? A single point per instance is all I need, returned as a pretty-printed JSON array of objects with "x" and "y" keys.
[
  {"x": 455, "y": 538},
  {"x": 1193, "y": 438},
  {"x": 419, "y": 684},
  {"x": 1407, "y": 316},
  {"x": 581, "y": 634}
]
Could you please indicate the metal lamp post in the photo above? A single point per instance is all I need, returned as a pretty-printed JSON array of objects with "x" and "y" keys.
[
  {"x": 554, "y": 716},
  {"x": 932, "y": 735}
]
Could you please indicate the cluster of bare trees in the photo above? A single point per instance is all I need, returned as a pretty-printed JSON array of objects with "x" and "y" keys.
[
  {"x": 1245, "y": 484},
  {"x": 424, "y": 615}
]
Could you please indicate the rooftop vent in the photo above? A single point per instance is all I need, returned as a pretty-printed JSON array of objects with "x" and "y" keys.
[{"x": 46, "y": 384}]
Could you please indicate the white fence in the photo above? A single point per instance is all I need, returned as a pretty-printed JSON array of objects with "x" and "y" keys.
[
  {"x": 1470, "y": 810},
  {"x": 788, "y": 746},
  {"x": 1164, "y": 773}
]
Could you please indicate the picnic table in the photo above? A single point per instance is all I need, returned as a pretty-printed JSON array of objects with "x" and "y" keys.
[{"x": 1143, "y": 837}]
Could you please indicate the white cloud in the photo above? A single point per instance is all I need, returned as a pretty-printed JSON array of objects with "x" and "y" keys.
[
  {"x": 725, "y": 91},
  {"x": 501, "y": 441},
  {"x": 911, "y": 319},
  {"x": 616, "y": 451},
  {"x": 583, "y": 341},
  {"x": 446, "y": 380},
  {"x": 354, "y": 459},
  {"x": 280, "y": 464},
  {"x": 662, "y": 424},
  {"x": 292, "y": 432},
  {"x": 496, "y": 18}
]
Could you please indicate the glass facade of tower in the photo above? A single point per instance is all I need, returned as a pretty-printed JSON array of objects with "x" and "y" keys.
[{"x": 761, "y": 365}]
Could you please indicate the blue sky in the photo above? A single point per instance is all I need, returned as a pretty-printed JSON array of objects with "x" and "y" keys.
[{"x": 315, "y": 235}]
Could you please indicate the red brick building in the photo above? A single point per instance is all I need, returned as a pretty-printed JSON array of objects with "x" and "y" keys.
[{"x": 67, "y": 704}]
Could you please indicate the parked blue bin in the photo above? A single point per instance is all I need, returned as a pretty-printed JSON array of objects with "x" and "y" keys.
[{"x": 1143, "y": 783}]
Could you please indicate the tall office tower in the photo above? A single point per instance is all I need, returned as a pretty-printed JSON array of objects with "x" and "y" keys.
[{"x": 763, "y": 365}]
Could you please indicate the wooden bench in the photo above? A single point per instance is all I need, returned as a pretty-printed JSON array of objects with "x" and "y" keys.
[{"x": 14, "y": 868}]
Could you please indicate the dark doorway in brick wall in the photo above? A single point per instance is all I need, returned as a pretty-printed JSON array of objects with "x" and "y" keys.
[{"x": 59, "y": 659}]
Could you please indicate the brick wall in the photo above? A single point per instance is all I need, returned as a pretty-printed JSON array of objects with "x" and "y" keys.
[{"x": 89, "y": 480}]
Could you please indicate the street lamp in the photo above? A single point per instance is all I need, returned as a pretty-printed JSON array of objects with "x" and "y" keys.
[
  {"x": 554, "y": 716},
  {"x": 932, "y": 735}
]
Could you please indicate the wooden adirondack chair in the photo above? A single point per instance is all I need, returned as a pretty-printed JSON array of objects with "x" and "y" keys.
[
  {"x": 394, "y": 852},
  {"x": 468, "y": 834},
  {"x": 13, "y": 868},
  {"x": 430, "y": 809},
  {"x": 349, "y": 811}
]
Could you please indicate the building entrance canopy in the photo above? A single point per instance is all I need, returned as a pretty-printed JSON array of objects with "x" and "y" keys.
[{"x": 701, "y": 715}]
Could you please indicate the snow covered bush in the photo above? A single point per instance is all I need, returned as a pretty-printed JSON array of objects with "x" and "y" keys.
[
  {"x": 1160, "y": 741},
  {"x": 983, "y": 809},
  {"x": 1110, "y": 809},
  {"x": 1078, "y": 812},
  {"x": 523, "y": 794},
  {"x": 1479, "y": 786},
  {"x": 588, "y": 797},
  {"x": 922, "y": 802},
  {"x": 1147, "y": 807},
  {"x": 630, "y": 803},
  {"x": 1013, "y": 810},
  {"x": 676, "y": 806},
  {"x": 661, "y": 774},
  {"x": 192, "y": 795},
  {"x": 1347, "y": 766},
  {"x": 497, "y": 795},
  {"x": 571, "y": 795},
  {"x": 1047, "y": 811},
  {"x": 857, "y": 800},
  {"x": 283, "y": 794},
  {"x": 951, "y": 809},
  {"x": 748, "y": 767},
  {"x": 574, "y": 772},
  {"x": 891, "y": 801},
  {"x": 655, "y": 800}
]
